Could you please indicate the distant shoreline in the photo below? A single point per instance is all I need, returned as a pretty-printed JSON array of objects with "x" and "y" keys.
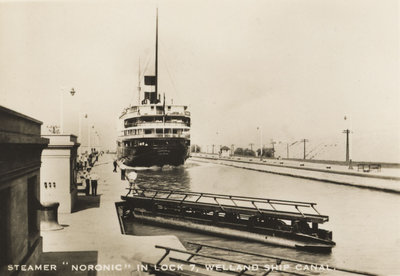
[{"x": 317, "y": 161}]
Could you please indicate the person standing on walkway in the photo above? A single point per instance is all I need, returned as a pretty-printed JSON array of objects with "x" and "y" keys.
[
  {"x": 90, "y": 159},
  {"x": 86, "y": 175},
  {"x": 115, "y": 166},
  {"x": 84, "y": 161},
  {"x": 94, "y": 179}
]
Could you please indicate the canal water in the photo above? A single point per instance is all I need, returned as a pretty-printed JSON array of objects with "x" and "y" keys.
[{"x": 365, "y": 223}]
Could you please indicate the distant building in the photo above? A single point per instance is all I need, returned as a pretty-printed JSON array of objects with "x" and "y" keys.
[
  {"x": 20, "y": 150},
  {"x": 58, "y": 174},
  {"x": 225, "y": 151}
]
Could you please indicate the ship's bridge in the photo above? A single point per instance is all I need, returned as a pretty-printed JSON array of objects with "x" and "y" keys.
[
  {"x": 155, "y": 109},
  {"x": 154, "y": 121}
]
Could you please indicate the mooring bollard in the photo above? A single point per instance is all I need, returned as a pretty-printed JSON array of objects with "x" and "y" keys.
[{"x": 49, "y": 216}]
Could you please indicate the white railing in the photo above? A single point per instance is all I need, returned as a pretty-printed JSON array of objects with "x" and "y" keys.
[
  {"x": 156, "y": 135},
  {"x": 134, "y": 114},
  {"x": 158, "y": 125}
]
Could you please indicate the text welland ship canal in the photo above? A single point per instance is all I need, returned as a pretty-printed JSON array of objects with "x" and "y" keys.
[{"x": 365, "y": 225}]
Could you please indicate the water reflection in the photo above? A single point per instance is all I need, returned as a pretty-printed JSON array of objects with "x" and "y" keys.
[{"x": 166, "y": 177}]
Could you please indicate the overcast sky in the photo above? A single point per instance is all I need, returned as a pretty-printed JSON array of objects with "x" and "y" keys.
[{"x": 294, "y": 68}]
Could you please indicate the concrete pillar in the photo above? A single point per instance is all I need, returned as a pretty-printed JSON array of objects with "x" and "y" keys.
[{"x": 58, "y": 174}]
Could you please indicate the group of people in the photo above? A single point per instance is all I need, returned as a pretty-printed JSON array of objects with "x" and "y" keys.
[
  {"x": 91, "y": 181},
  {"x": 85, "y": 162}
]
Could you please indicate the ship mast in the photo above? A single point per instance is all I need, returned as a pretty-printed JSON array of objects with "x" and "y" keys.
[
  {"x": 152, "y": 97},
  {"x": 156, "y": 86}
]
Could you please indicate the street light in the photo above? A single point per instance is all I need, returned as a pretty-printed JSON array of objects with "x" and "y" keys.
[
  {"x": 72, "y": 92},
  {"x": 85, "y": 116},
  {"x": 89, "y": 138},
  {"x": 348, "y": 131},
  {"x": 97, "y": 140}
]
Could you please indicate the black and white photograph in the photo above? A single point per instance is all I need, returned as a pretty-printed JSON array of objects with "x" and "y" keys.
[{"x": 199, "y": 137}]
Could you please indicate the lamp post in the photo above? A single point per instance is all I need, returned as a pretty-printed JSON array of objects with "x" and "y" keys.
[
  {"x": 81, "y": 114},
  {"x": 72, "y": 92},
  {"x": 348, "y": 131},
  {"x": 97, "y": 141},
  {"x": 89, "y": 138}
]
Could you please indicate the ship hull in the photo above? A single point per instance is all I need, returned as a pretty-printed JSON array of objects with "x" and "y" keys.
[{"x": 157, "y": 152}]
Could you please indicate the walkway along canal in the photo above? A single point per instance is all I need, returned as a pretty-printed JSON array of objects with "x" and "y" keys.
[
  {"x": 93, "y": 229},
  {"x": 386, "y": 180}
]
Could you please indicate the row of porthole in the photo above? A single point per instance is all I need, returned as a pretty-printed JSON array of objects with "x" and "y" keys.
[{"x": 48, "y": 184}]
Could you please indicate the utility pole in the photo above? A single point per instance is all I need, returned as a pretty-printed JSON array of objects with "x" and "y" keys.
[
  {"x": 232, "y": 149},
  {"x": 287, "y": 150},
  {"x": 304, "y": 141},
  {"x": 273, "y": 147},
  {"x": 347, "y": 131}
]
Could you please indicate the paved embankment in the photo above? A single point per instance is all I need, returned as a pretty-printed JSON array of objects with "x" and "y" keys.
[
  {"x": 95, "y": 227},
  {"x": 387, "y": 180}
]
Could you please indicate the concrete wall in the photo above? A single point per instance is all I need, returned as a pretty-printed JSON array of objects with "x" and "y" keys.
[
  {"x": 22, "y": 243},
  {"x": 20, "y": 150}
]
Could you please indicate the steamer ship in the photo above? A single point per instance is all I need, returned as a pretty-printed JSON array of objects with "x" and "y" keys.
[{"x": 153, "y": 133}]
